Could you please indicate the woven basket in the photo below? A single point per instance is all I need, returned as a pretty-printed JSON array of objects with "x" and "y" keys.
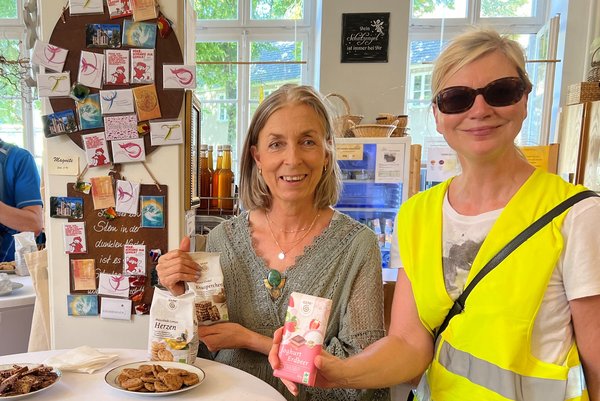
[
  {"x": 388, "y": 119},
  {"x": 583, "y": 92},
  {"x": 342, "y": 123},
  {"x": 374, "y": 130},
  {"x": 594, "y": 72}
]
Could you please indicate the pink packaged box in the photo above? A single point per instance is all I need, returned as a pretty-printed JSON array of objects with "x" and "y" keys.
[{"x": 304, "y": 331}]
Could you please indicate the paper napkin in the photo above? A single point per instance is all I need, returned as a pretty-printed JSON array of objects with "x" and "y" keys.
[{"x": 83, "y": 359}]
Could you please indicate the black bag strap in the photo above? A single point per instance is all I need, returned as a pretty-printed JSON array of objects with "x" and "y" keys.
[{"x": 459, "y": 304}]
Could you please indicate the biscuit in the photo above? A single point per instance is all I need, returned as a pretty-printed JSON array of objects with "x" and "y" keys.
[
  {"x": 190, "y": 379},
  {"x": 164, "y": 355},
  {"x": 174, "y": 382},
  {"x": 160, "y": 387},
  {"x": 133, "y": 384}
]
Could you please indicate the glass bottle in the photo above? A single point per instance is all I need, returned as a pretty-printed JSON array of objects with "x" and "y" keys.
[
  {"x": 226, "y": 180},
  {"x": 214, "y": 202},
  {"x": 204, "y": 177}
]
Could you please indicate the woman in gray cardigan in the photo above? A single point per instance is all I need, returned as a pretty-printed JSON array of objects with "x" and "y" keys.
[{"x": 289, "y": 239}]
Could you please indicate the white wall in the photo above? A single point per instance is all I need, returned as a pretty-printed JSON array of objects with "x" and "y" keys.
[
  {"x": 165, "y": 163},
  {"x": 370, "y": 88}
]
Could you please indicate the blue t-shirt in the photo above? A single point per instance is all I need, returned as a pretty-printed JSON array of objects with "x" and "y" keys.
[{"x": 21, "y": 189}]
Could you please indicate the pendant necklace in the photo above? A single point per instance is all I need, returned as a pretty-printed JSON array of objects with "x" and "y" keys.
[{"x": 274, "y": 281}]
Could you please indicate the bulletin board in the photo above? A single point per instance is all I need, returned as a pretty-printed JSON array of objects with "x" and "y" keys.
[
  {"x": 105, "y": 238},
  {"x": 70, "y": 35}
]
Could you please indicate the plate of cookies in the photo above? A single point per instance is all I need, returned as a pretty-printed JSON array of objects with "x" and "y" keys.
[
  {"x": 154, "y": 379},
  {"x": 20, "y": 380}
]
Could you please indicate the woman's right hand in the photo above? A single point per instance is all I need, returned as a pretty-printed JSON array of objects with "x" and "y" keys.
[{"x": 176, "y": 267}]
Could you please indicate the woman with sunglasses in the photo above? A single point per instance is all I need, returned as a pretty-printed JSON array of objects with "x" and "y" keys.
[{"x": 515, "y": 337}]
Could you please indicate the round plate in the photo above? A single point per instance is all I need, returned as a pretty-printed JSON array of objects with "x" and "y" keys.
[
  {"x": 111, "y": 376},
  {"x": 30, "y": 366},
  {"x": 14, "y": 286}
]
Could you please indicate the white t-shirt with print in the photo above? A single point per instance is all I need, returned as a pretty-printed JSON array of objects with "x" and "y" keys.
[{"x": 576, "y": 275}]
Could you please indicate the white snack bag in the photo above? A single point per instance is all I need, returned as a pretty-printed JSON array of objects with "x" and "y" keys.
[
  {"x": 173, "y": 328},
  {"x": 210, "y": 299},
  {"x": 24, "y": 243}
]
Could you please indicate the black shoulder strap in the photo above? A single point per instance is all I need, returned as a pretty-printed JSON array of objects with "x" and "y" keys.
[{"x": 459, "y": 304}]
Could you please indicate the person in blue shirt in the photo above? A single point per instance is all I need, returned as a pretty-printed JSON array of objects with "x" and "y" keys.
[{"x": 20, "y": 198}]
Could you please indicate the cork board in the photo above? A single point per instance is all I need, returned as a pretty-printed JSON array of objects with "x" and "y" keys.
[
  {"x": 70, "y": 35},
  {"x": 105, "y": 238}
]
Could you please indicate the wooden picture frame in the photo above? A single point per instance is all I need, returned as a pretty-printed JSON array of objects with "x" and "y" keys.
[
  {"x": 590, "y": 169},
  {"x": 192, "y": 141}
]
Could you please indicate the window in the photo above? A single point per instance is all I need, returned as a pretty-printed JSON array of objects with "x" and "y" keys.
[
  {"x": 245, "y": 49},
  {"x": 434, "y": 23},
  {"x": 20, "y": 121}
]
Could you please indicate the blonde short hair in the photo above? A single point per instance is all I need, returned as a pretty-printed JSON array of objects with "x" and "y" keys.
[
  {"x": 471, "y": 46},
  {"x": 254, "y": 193}
]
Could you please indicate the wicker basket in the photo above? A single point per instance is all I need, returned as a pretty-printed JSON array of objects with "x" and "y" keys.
[
  {"x": 388, "y": 119},
  {"x": 583, "y": 92},
  {"x": 594, "y": 72},
  {"x": 342, "y": 123},
  {"x": 374, "y": 130}
]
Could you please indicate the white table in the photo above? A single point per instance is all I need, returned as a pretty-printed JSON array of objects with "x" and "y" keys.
[
  {"x": 222, "y": 382},
  {"x": 16, "y": 311}
]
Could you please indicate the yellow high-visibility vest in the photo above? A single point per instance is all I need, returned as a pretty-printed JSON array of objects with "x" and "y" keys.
[{"x": 484, "y": 353}]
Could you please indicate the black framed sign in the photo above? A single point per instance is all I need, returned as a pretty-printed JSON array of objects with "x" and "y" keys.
[{"x": 365, "y": 37}]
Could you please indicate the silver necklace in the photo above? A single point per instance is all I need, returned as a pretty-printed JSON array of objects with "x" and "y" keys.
[{"x": 281, "y": 254}]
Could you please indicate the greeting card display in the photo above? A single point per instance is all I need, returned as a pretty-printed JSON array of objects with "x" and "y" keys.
[
  {"x": 152, "y": 211},
  {"x": 83, "y": 272},
  {"x": 144, "y": 10},
  {"x": 49, "y": 56},
  {"x": 119, "y": 8},
  {"x": 115, "y": 285},
  {"x": 91, "y": 66},
  {"x": 61, "y": 122},
  {"x": 117, "y": 67},
  {"x": 128, "y": 196},
  {"x": 103, "y": 35},
  {"x": 74, "y": 237},
  {"x": 82, "y": 305},
  {"x": 120, "y": 127},
  {"x": 139, "y": 34},
  {"x": 103, "y": 195},
  {"x": 134, "y": 259},
  {"x": 146, "y": 102},
  {"x": 54, "y": 84},
  {"x": 117, "y": 101},
  {"x": 166, "y": 132},
  {"x": 67, "y": 207},
  {"x": 179, "y": 76},
  {"x": 89, "y": 112},
  {"x": 96, "y": 151},
  {"x": 142, "y": 66},
  {"x": 86, "y": 7},
  {"x": 128, "y": 150}
]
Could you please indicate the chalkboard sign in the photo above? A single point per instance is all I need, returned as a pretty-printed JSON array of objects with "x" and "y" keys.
[
  {"x": 106, "y": 239},
  {"x": 365, "y": 37}
]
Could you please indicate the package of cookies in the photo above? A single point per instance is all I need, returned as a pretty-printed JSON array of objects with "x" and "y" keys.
[
  {"x": 304, "y": 331},
  {"x": 210, "y": 299},
  {"x": 173, "y": 328}
]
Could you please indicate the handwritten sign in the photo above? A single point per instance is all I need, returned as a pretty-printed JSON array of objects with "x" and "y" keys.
[
  {"x": 365, "y": 37},
  {"x": 63, "y": 165},
  {"x": 106, "y": 239}
]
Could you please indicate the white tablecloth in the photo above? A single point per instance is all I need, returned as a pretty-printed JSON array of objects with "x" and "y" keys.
[{"x": 222, "y": 382}]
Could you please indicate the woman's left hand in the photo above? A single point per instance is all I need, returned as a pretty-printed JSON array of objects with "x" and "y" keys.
[{"x": 223, "y": 335}]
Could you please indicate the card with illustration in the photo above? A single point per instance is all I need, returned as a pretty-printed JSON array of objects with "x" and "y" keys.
[
  {"x": 134, "y": 259},
  {"x": 117, "y": 101},
  {"x": 139, "y": 34},
  {"x": 115, "y": 285},
  {"x": 61, "y": 122},
  {"x": 103, "y": 36},
  {"x": 119, "y": 8},
  {"x": 128, "y": 150},
  {"x": 86, "y": 7},
  {"x": 67, "y": 207},
  {"x": 96, "y": 150},
  {"x": 128, "y": 197},
  {"x": 117, "y": 67},
  {"x": 146, "y": 102},
  {"x": 120, "y": 127},
  {"x": 115, "y": 308},
  {"x": 102, "y": 192},
  {"x": 54, "y": 84},
  {"x": 49, "y": 56},
  {"x": 89, "y": 113},
  {"x": 91, "y": 67},
  {"x": 74, "y": 237},
  {"x": 82, "y": 305},
  {"x": 166, "y": 132},
  {"x": 144, "y": 10},
  {"x": 179, "y": 76},
  {"x": 152, "y": 211},
  {"x": 142, "y": 66},
  {"x": 84, "y": 274}
]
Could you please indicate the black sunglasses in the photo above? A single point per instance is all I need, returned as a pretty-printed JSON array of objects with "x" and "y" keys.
[{"x": 499, "y": 93}]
